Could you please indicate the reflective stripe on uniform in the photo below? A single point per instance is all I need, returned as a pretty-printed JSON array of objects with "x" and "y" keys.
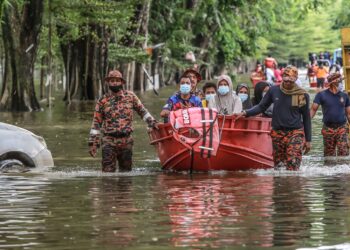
[
  {"x": 95, "y": 132},
  {"x": 146, "y": 116}
]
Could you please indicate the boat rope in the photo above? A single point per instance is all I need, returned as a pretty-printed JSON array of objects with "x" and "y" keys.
[
  {"x": 204, "y": 136},
  {"x": 211, "y": 126}
]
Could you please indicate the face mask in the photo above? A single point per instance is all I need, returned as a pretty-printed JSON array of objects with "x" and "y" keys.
[
  {"x": 223, "y": 90},
  {"x": 209, "y": 97},
  {"x": 185, "y": 89},
  {"x": 116, "y": 89},
  {"x": 243, "y": 96},
  {"x": 263, "y": 94}
]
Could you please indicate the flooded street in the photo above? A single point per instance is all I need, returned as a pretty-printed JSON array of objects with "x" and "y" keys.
[{"x": 75, "y": 206}]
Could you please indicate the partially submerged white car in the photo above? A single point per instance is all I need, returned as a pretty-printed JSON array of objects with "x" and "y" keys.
[{"x": 20, "y": 146}]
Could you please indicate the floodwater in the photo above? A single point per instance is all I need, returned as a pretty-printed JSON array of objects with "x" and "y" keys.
[{"x": 75, "y": 206}]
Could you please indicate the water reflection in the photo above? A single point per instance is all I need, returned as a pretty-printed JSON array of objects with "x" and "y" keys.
[
  {"x": 113, "y": 211},
  {"x": 207, "y": 211},
  {"x": 290, "y": 210}
]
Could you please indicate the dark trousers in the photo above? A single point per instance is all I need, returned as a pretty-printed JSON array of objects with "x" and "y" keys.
[
  {"x": 287, "y": 147},
  {"x": 320, "y": 82},
  {"x": 117, "y": 149}
]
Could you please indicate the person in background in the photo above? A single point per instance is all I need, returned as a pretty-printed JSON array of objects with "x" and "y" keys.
[
  {"x": 260, "y": 91},
  {"x": 336, "y": 114},
  {"x": 270, "y": 66},
  {"x": 321, "y": 74},
  {"x": 209, "y": 90},
  {"x": 243, "y": 93},
  {"x": 291, "y": 121},
  {"x": 278, "y": 76},
  {"x": 182, "y": 99},
  {"x": 113, "y": 119},
  {"x": 226, "y": 101}
]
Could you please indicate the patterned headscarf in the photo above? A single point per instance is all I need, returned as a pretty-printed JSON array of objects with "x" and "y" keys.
[
  {"x": 333, "y": 79},
  {"x": 290, "y": 73}
]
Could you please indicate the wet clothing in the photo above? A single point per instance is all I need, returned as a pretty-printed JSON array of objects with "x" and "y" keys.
[
  {"x": 288, "y": 114},
  {"x": 287, "y": 148},
  {"x": 116, "y": 149},
  {"x": 335, "y": 130},
  {"x": 113, "y": 118},
  {"x": 333, "y": 106},
  {"x": 335, "y": 140}
]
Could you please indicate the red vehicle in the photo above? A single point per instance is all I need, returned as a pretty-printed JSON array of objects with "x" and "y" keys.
[{"x": 245, "y": 144}]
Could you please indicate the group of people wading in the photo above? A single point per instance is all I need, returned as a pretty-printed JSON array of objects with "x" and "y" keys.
[{"x": 287, "y": 104}]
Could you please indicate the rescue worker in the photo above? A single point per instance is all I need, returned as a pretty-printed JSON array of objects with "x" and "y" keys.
[
  {"x": 209, "y": 90},
  {"x": 195, "y": 78},
  {"x": 291, "y": 122},
  {"x": 113, "y": 118},
  {"x": 182, "y": 99},
  {"x": 243, "y": 93},
  {"x": 226, "y": 102},
  {"x": 336, "y": 113}
]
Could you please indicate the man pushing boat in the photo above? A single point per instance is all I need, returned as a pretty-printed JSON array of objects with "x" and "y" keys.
[{"x": 291, "y": 121}]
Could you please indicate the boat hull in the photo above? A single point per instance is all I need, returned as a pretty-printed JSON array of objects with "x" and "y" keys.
[{"x": 245, "y": 144}]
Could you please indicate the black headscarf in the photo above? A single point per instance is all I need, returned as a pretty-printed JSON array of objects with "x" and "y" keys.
[
  {"x": 247, "y": 104},
  {"x": 258, "y": 91}
]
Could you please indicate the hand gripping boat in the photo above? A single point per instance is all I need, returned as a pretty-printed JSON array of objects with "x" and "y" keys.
[{"x": 199, "y": 139}]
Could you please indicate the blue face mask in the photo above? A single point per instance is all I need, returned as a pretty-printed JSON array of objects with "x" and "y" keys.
[
  {"x": 185, "y": 89},
  {"x": 243, "y": 96},
  {"x": 209, "y": 97},
  {"x": 223, "y": 90}
]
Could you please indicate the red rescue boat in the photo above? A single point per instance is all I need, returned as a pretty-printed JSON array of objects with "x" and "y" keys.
[{"x": 245, "y": 144}]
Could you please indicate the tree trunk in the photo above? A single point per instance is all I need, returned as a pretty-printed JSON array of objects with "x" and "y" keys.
[
  {"x": 21, "y": 29},
  {"x": 87, "y": 65}
]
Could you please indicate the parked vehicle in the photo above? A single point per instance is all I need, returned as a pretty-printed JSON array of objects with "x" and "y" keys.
[{"x": 20, "y": 146}]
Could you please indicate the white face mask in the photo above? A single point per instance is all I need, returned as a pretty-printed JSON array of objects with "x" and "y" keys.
[
  {"x": 263, "y": 94},
  {"x": 209, "y": 97}
]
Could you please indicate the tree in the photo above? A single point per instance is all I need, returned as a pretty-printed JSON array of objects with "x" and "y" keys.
[{"x": 21, "y": 25}]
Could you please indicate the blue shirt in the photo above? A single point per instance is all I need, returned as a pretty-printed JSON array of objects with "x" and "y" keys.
[
  {"x": 175, "y": 102},
  {"x": 284, "y": 115},
  {"x": 333, "y": 106}
]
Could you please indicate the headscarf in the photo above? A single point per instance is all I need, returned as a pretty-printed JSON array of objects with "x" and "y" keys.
[
  {"x": 247, "y": 104},
  {"x": 225, "y": 102},
  {"x": 333, "y": 79},
  {"x": 297, "y": 93},
  {"x": 258, "y": 92}
]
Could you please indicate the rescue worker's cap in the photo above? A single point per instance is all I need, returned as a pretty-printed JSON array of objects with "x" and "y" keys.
[
  {"x": 114, "y": 74},
  {"x": 334, "y": 78},
  {"x": 187, "y": 71}
]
